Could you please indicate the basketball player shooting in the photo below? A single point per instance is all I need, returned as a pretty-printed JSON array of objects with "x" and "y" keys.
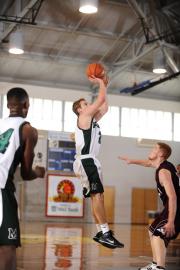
[
  {"x": 86, "y": 166},
  {"x": 167, "y": 225}
]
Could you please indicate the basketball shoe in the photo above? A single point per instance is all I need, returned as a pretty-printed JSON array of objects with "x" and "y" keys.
[
  {"x": 108, "y": 240},
  {"x": 150, "y": 266},
  {"x": 97, "y": 236}
]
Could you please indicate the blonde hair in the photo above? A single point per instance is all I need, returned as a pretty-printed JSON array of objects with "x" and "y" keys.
[{"x": 166, "y": 149}]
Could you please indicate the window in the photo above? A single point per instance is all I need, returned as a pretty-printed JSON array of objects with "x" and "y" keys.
[
  {"x": 110, "y": 122},
  {"x": 177, "y": 127},
  {"x": 140, "y": 123},
  {"x": 43, "y": 113},
  {"x": 70, "y": 119}
]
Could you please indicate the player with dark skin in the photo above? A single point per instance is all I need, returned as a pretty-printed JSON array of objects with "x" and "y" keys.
[{"x": 18, "y": 104}]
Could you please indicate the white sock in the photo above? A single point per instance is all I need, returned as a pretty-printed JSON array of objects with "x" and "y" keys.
[
  {"x": 104, "y": 227},
  {"x": 98, "y": 227}
]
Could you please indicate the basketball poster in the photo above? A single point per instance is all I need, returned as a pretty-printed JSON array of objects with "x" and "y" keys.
[{"x": 64, "y": 196}]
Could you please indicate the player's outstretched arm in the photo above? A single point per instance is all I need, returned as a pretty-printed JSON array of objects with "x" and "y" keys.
[
  {"x": 101, "y": 100},
  {"x": 30, "y": 137},
  {"x": 104, "y": 107},
  {"x": 141, "y": 162}
]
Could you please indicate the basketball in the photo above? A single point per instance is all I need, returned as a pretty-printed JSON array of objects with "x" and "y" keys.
[{"x": 95, "y": 69}]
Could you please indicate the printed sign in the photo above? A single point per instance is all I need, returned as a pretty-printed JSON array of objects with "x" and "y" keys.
[{"x": 64, "y": 196}]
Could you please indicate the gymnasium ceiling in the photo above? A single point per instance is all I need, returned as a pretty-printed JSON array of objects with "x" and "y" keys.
[{"x": 60, "y": 41}]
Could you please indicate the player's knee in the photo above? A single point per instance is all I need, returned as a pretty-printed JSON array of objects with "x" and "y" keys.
[
  {"x": 150, "y": 234},
  {"x": 98, "y": 196}
]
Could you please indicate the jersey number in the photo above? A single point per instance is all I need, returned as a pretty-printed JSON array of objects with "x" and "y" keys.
[
  {"x": 99, "y": 140},
  {"x": 4, "y": 140}
]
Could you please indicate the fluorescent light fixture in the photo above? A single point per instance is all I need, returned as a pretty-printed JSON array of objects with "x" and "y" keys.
[
  {"x": 88, "y": 6},
  {"x": 16, "y": 43},
  {"x": 159, "y": 70},
  {"x": 159, "y": 65}
]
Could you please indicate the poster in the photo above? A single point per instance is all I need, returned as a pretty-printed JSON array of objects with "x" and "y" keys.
[
  {"x": 64, "y": 196},
  {"x": 63, "y": 248},
  {"x": 61, "y": 151}
]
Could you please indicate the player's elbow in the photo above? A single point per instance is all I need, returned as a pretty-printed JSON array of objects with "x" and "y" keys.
[
  {"x": 173, "y": 198},
  {"x": 26, "y": 174}
]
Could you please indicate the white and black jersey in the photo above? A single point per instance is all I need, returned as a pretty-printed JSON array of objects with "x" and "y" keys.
[
  {"x": 11, "y": 148},
  {"x": 88, "y": 141},
  {"x": 86, "y": 165}
]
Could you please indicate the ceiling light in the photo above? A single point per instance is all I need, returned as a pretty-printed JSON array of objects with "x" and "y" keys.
[
  {"x": 16, "y": 43},
  {"x": 88, "y": 6},
  {"x": 159, "y": 63}
]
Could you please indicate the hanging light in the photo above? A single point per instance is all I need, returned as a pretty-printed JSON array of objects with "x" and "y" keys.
[
  {"x": 16, "y": 43},
  {"x": 159, "y": 63},
  {"x": 88, "y": 6}
]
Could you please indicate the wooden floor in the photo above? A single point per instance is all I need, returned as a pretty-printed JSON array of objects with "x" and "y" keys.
[{"x": 55, "y": 246}]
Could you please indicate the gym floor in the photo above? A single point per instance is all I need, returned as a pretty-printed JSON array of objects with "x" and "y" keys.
[{"x": 52, "y": 246}]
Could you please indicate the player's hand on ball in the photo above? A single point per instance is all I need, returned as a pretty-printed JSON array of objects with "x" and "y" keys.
[
  {"x": 96, "y": 80},
  {"x": 40, "y": 171}
]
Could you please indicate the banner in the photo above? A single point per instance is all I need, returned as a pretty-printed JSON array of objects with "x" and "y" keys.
[{"x": 64, "y": 196}]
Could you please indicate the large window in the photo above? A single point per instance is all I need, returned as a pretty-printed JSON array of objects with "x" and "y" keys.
[
  {"x": 110, "y": 122},
  {"x": 140, "y": 123},
  {"x": 70, "y": 119},
  {"x": 177, "y": 127},
  {"x": 137, "y": 123},
  {"x": 43, "y": 113}
]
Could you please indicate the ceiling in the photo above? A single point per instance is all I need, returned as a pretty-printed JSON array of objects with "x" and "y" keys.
[{"x": 60, "y": 42}]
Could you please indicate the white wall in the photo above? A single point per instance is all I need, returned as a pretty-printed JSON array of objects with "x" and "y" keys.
[
  {"x": 116, "y": 173},
  {"x": 124, "y": 177},
  {"x": 71, "y": 95}
]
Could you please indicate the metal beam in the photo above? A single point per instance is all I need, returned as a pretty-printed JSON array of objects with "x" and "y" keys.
[
  {"x": 6, "y": 6},
  {"x": 170, "y": 61},
  {"x": 132, "y": 61},
  {"x": 71, "y": 35},
  {"x": 152, "y": 84},
  {"x": 122, "y": 52},
  {"x": 22, "y": 14},
  {"x": 84, "y": 31},
  {"x": 45, "y": 83},
  {"x": 173, "y": 47},
  {"x": 40, "y": 57},
  {"x": 121, "y": 35},
  {"x": 141, "y": 15}
]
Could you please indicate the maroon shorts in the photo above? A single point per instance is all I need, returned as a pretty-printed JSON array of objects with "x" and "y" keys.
[{"x": 156, "y": 228}]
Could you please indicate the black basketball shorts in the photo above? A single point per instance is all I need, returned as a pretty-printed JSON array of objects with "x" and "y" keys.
[
  {"x": 156, "y": 228},
  {"x": 9, "y": 223},
  {"x": 89, "y": 172}
]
